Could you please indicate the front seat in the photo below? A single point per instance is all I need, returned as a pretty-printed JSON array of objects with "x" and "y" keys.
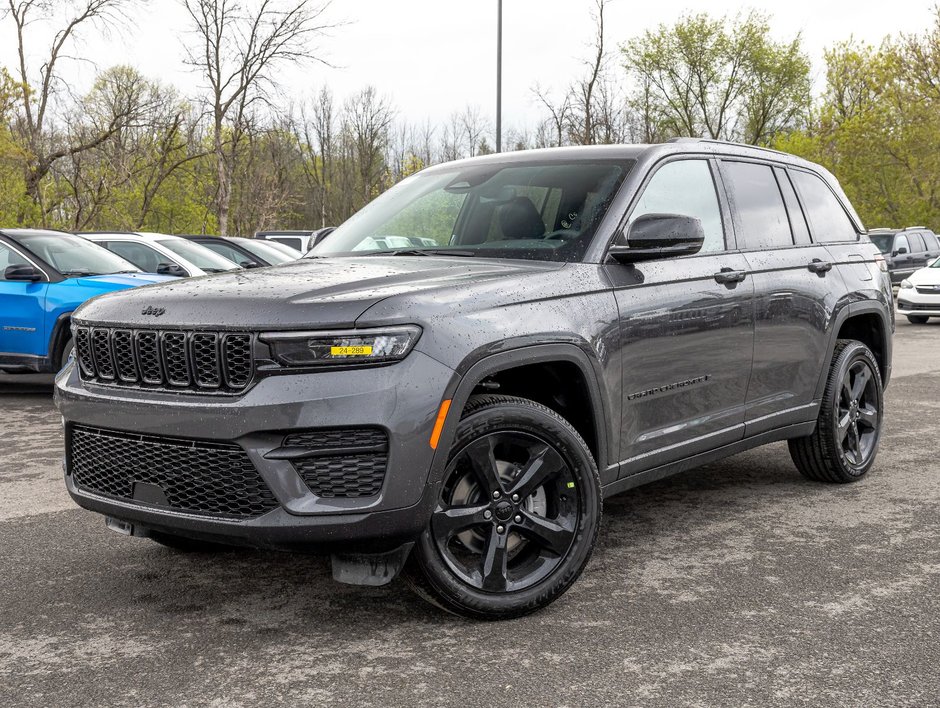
[{"x": 519, "y": 219}]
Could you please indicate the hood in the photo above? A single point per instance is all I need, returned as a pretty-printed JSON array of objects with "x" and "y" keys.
[
  {"x": 327, "y": 292},
  {"x": 925, "y": 276},
  {"x": 120, "y": 280}
]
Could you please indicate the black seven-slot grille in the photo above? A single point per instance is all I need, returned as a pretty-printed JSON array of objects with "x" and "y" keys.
[
  {"x": 197, "y": 477},
  {"x": 341, "y": 462},
  {"x": 196, "y": 361}
]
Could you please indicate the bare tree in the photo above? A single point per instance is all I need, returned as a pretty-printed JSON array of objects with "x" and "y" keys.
[
  {"x": 39, "y": 87},
  {"x": 238, "y": 51}
]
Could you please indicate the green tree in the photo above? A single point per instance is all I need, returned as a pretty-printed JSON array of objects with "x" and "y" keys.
[{"x": 718, "y": 78}]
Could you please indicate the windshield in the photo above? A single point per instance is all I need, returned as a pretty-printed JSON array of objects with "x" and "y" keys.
[
  {"x": 269, "y": 253},
  {"x": 199, "y": 256},
  {"x": 73, "y": 255},
  {"x": 546, "y": 211},
  {"x": 882, "y": 242}
]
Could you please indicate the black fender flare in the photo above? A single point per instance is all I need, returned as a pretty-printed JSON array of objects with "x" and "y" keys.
[
  {"x": 460, "y": 388},
  {"x": 843, "y": 314},
  {"x": 61, "y": 332}
]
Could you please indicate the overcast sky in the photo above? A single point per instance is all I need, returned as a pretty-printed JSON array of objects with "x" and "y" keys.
[{"x": 432, "y": 57}]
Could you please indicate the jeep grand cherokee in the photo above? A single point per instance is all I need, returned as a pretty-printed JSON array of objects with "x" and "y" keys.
[{"x": 451, "y": 383}]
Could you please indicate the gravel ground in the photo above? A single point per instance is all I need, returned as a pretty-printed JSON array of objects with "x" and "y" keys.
[{"x": 738, "y": 583}]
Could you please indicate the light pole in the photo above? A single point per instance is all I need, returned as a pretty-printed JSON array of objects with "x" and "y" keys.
[{"x": 499, "y": 75}]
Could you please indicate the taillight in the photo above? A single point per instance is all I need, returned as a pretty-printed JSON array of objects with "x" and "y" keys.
[{"x": 882, "y": 264}]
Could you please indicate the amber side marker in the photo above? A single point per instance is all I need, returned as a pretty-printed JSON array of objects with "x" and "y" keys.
[{"x": 439, "y": 423}]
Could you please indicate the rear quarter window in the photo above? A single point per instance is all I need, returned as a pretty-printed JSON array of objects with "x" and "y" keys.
[{"x": 828, "y": 220}]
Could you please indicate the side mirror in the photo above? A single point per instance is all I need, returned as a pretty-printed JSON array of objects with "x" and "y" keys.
[
  {"x": 177, "y": 271},
  {"x": 654, "y": 236},
  {"x": 249, "y": 264},
  {"x": 900, "y": 252},
  {"x": 23, "y": 273}
]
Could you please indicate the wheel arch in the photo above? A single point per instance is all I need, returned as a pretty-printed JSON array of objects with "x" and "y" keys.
[
  {"x": 868, "y": 323},
  {"x": 568, "y": 357}
]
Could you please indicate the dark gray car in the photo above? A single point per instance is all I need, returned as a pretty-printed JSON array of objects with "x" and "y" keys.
[
  {"x": 452, "y": 382},
  {"x": 907, "y": 250}
]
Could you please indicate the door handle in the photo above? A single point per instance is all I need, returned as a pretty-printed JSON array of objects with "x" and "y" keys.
[
  {"x": 819, "y": 266},
  {"x": 729, "y": 275}
]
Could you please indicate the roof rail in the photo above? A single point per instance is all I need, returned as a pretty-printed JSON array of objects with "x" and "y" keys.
[
  {"x": 726, "y": 142},
  {"x": 911, "y": 228}
]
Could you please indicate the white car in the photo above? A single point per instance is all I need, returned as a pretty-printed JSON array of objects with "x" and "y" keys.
[
  {"x": 162, "y": 253},
  {"x": 919, "y": 295}
]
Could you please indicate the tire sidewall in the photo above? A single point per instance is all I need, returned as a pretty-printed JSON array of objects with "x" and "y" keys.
[
  {"x": 854, "y": 352},
  {"x": 518, "y": 417},
  {"x": 67, "y": 349}
]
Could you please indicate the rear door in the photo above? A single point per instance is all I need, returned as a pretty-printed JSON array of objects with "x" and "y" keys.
[
  {"x": 22, "y": 310},
  {"x": 793, "y": 294},
  {"x": 918, "y": 249},
  {"x": 686, "y": 327}
]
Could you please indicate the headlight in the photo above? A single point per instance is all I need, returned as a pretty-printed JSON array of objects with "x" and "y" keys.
[
  {"x": 354, "y": 346},
  {"x": 905, "y": 284}
]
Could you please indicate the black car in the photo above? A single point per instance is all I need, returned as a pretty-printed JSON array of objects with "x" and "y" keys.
[
  {"x": 906, "y": 250},
  {"x": 247, "y": 252},
  {"x": 549, "y": 328}
]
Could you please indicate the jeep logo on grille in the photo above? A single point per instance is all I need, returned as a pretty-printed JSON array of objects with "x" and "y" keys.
[{"x": 151, "y": 310}]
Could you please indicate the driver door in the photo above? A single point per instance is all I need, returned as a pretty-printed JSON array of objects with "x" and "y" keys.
[
  {"x": 686, "y": 329},
  {"x": 22, "y": 310}
]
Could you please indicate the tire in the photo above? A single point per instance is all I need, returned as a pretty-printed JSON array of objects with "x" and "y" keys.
[
  {"x": 917, "y": 319},
  {"x": 844, "y": 445},
  {"x": 187, "y": 545},
  {"x": 67, "y": 350},
  {"x": 496, "y": 556}
]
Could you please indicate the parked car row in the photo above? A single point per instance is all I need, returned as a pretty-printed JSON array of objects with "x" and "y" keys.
[
  {"x": 906, "y": 250},
  {"x": 46, "y": 275}
]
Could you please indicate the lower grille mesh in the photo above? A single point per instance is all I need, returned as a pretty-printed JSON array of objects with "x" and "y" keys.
[
  {"x": 343, "y": 462},
  {"x": 216, "y": 479}
]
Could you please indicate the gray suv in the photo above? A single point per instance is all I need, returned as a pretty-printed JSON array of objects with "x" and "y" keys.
[
  {"x": 549, "y": 328},
  {"x": 906, "y": 250}
]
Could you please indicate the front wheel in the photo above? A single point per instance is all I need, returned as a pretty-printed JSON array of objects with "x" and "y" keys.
[
  {"x": 848, "y": 429},
  {"x": 518, "y": 513},
  {"x": 917, "y": 319}
]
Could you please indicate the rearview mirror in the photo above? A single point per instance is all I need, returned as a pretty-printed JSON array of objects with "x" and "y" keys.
[
  {"x": 25, "y": 273},
  {"x": 654, "y": 236},
  {"x": 173, "y": 269}
]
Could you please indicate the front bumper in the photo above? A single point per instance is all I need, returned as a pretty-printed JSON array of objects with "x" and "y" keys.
[
  {"x": 911, "y": 302},
  {"x": 402, "y": 399}
]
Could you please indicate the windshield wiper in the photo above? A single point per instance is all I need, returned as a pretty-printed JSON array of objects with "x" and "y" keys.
[
  {"x": 420, "y": 252},
  {"x": 122, "y": 272},
  {"x": 79, "y": 273}
]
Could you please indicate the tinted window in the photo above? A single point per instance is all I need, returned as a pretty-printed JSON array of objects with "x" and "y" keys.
[
  {"x": 141, "y": 256},
  {"x": 827, "y": 218},
  {"x": 917, "y": 242},
  {"x": 882, "y": 241},
  {"x": 760, "y": 216},
  {"x": 902, "y": 242},
  {"x": 197, "y": 255},
  {"x": 513, "y": 209},
  {"x": 932, "y": 243},
  {"x": 9, "y": 257},
  {"x": 292, "y": 242},
  {"x": 72, "y": 255},
  {"x": 685, "y": 187},
  {"x": 224, "y": 249},
  {"x": 797, "y": 218}
]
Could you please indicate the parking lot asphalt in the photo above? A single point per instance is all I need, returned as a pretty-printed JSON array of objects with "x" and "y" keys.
[{"x": 738, "y": 583}]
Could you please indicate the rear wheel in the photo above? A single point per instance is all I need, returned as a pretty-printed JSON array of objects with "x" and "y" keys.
[
  {"x": 917, "y": 319},
  {"x": 518, "y": 513},
  {"x": 845, "y": 442}
]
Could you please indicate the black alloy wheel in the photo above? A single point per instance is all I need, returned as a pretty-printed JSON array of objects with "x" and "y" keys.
[
  {"x": 517, "y": 515},
  {"x": 844, "y": 444}
]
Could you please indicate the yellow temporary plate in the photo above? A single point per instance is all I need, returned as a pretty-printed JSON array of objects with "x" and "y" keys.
[{"x": 351, "y": 351}]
